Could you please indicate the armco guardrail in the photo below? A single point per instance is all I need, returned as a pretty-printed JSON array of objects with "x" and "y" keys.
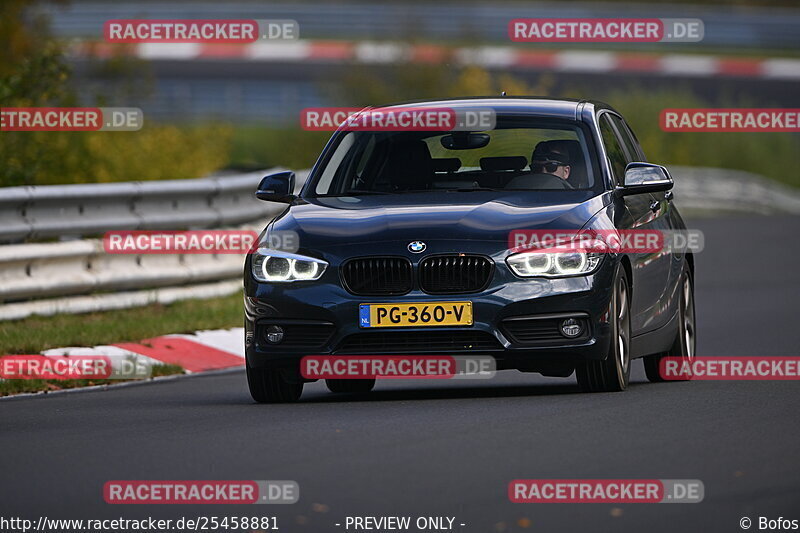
[
  {"x": 78, "y": 276},
  {"x": 722, "y": 189},
  {"x": 92, "y": 209},
  {"x": 80, "y": 267},
  {"x": 83, "y": 277}
]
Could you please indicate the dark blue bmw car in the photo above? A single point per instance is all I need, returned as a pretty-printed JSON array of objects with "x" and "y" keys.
[{"x": 403, "y": 249}]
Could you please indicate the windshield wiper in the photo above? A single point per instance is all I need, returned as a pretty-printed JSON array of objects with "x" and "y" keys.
[
  {"x": 468, "y": 189},
  {"x": 372, "y": 193},
  {"x": 355, "y": 192}
]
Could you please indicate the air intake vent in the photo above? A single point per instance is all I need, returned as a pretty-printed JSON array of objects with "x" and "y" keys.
[
  {"x": 377, "y": 276},
  {"x": 389, "y": 342},
  {"x": 454, "y": 274}
]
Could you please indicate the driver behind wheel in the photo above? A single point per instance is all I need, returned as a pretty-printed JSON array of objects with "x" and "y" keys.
[
  {"x": 551, "y": 157},
  {"x": 550, "y": 168}
]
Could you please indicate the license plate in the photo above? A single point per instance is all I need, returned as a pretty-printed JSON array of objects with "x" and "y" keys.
[{"x": 399, "y": 315}]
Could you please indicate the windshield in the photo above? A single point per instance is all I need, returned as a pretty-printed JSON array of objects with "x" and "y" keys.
[{"x": 538, "y": 156}]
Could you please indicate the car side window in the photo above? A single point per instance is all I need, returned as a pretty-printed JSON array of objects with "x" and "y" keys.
[
  {"x": 628, "y": 140},
  {"x": 636, "y": 143},
  {"x": 616, "y": 155}
]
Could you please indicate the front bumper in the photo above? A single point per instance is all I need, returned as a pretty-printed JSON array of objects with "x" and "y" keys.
[{"x": 516, "y": 321}]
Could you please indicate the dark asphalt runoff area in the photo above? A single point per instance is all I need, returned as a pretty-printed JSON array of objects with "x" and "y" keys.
[{"x": 444, "y": 448}]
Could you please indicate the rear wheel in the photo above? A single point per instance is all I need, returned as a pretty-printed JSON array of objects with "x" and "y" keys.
[
  {"x": 685, "y": 340},
  {"x": 269, "y": 386},
  {"x": 613, "y": 373},
  {"x": 350, "y": 385}
]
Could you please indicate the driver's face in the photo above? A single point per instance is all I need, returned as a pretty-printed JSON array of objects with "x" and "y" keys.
[{"x": 562, "y": 171}]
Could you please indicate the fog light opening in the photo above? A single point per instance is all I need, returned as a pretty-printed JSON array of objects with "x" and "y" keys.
[{"x": 274, "y": 334}]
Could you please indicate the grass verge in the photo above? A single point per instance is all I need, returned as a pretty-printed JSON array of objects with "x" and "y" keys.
[{"x": 33, "y": 334}]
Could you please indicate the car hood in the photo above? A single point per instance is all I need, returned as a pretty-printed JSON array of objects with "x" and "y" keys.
[{"x": 473, "y": 216}]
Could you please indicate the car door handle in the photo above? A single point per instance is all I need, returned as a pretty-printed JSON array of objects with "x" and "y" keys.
[
  {"x": 668, "y": 196},
  {"x": 655, "y": 206}
]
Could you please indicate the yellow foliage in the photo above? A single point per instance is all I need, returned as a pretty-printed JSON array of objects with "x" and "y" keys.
[{"x": 152, "y": 153}]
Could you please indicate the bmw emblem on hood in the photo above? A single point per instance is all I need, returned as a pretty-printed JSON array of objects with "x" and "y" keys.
[{"x": 416, "y": 247}]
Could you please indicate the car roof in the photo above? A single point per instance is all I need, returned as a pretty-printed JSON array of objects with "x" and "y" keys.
[{"x": 514, "y": 105}]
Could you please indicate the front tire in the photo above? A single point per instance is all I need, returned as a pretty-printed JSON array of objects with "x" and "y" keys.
[
  {"x": 360, "y": 386},
  {"x": 685, "y": 340},
  {"x": 269, "y": 386},
  {"x": 613, "y": 373}
]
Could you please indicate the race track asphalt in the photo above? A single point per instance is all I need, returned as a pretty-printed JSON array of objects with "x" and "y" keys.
[{"x": 433, "y": 448}]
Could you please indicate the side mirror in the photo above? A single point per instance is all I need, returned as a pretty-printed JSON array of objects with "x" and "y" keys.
[
  {"x": 645, "y": 178},
  {"x": 277, "y": 187}
]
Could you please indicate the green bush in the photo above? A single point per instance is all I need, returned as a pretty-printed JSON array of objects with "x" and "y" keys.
[
  {"x": 258, "y": 147},
  {"x": 262, "y": 147},
  {"x": 33, "y": 73},
  {"x": 770, "y": 154},
  {"x": 774, "y": 155},
  {"x": 153, "y": 153}
]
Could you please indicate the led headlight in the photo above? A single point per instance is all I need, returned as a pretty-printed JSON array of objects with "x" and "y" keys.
[
  {"x": 277, "y": 267},
  {"x": 553, "y": 264}
]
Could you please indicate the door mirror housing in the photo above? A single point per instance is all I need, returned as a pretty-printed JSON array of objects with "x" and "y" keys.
[
  {"x": 278, "y": 187},
  {"x": 643, "y": 178}
]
